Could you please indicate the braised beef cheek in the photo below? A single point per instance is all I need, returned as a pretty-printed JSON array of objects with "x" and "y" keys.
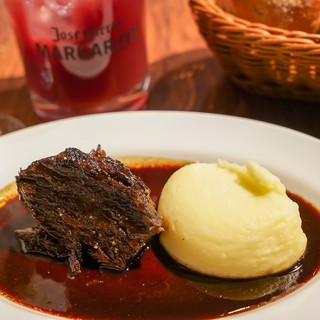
[{"x": 86, "y": 203}]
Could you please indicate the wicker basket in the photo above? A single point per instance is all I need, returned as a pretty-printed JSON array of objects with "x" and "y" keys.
[{"x": 261, "y": 59}]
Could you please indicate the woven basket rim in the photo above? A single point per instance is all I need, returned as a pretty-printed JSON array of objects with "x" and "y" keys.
[{"x": 211, "y": 8}]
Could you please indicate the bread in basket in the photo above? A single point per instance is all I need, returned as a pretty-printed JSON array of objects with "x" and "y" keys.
[{"x": 261, "y": 59}]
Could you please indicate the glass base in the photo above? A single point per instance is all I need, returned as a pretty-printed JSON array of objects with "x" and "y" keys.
[{"x": 134, "y": 99}]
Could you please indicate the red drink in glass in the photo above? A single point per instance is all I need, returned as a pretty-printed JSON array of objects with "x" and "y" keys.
[{"x": 82, "y": 56}]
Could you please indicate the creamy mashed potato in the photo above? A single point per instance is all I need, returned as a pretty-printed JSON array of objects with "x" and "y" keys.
[{"x": 230, "y": 221}]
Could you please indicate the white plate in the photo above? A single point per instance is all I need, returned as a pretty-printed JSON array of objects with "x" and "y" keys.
[{"x": 293, "y": 156}]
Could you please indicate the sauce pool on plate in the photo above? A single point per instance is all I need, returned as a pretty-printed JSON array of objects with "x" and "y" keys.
[{"x": 156, "y": 287}]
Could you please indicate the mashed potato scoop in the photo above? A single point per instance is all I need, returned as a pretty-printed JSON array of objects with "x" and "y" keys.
[{"x": 230, "y": 221}]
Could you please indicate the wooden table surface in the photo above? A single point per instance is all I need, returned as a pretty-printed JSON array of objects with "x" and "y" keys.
[{"x": 185, "y": 76}]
